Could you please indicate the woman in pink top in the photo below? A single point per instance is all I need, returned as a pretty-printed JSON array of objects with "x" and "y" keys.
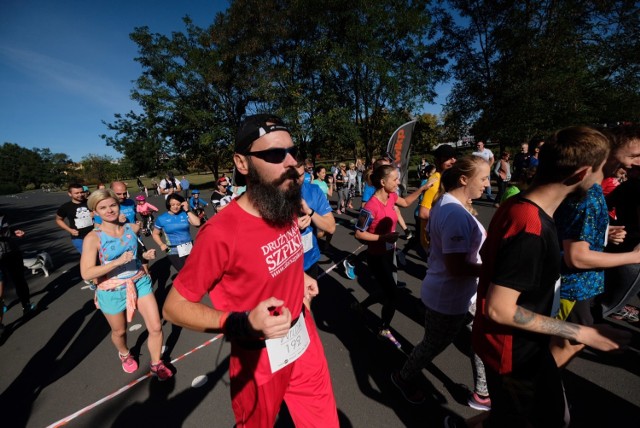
[{"x": 381, "y": 238}]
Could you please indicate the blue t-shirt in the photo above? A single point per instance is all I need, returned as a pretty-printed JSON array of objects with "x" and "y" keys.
[
  {"x": 317, "y": 201},
  {"x": 308, "y": 178},
  {"x": 368, "y": 192},
  {"x": 128, "y": 208},
  {"x": 175, "y": 228},
  {"x": 583, "y": 219}
]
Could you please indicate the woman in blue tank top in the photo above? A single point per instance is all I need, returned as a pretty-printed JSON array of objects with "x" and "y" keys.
[{"x": 123, "y": 286}]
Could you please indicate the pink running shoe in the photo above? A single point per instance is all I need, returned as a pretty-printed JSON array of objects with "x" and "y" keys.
[
  {"x": 129, "y": 364},
  {"x": 386, "y": 333},
  {"x": 161, "y": 371},
  {"x": 479, "y": 403}
]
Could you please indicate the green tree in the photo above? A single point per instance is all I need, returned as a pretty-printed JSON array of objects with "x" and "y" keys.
[
  {"x": 332, "y": 70},
  {"x": 526, "y": 68},
  {"x": 99, "y": 168}
]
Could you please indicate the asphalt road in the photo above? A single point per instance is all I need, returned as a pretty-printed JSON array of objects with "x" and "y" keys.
[{"x": 60, "y": 367}]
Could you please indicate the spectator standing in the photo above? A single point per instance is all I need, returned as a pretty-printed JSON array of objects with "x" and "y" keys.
[
  {"x": 360, "y": 169},
  {"x": 534, "y": 148},
  {"x": 308, "y": 170},
  {"x": 520, "y": 162},
  {"x": 342, "y": 186},
  {"x": 221, "y": 196},
  {"x": 517, "y": 287},
  {"x": 352, "y": 178},
  {"x": 12, "y": 266},
  {"x": 78, "y": 216},
  {"x": 502, "y": 172},
  {"x": 259, "y": 297},
  {"x": 184, "y": 183},
  {"x": 169, "y": 185},
  {"x": 487, "y": 155},
  {"x": 321, "y": 180}
]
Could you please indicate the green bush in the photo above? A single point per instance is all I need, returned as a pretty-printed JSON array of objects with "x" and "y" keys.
[
  {"x": 9, "y": 188},
  {"x": 30, "y": 186}
]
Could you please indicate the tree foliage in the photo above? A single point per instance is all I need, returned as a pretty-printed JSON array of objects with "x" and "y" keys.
[
  {"x": 335, "y": 71},
  {"x": 345, "y": 75},
  {"x": 22, "y": 167},
  {"x": 527, "y": 68}
]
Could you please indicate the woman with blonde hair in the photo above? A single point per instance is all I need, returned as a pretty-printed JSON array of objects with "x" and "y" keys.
[
  {"x": 449, "y": 288},
  {"x": 109, "y": 253}
]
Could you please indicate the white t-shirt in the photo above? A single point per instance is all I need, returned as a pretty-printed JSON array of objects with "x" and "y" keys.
[
  {"x": 452, "y": 230},
  {"x": 485, "y": 154},
  {"x": 167, "y": 184}
]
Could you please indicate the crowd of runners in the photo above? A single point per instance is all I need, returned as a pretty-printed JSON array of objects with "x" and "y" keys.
[{"x": 562, "y": 252}]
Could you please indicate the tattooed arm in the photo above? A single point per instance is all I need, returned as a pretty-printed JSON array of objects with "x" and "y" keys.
[{"x": 502, "y": 308}]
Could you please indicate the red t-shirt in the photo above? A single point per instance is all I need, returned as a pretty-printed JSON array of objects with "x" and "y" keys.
[
  {"x": 240, "y": 260},
  {"x": 384, "y": 221}
]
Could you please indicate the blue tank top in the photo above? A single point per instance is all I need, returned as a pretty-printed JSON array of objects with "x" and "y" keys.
[{"x": 112, "y": 247}]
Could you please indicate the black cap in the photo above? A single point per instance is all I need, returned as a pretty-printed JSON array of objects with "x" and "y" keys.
[
  {"x": 444, "y": 151},
  {"x": 252, "y": 128}
]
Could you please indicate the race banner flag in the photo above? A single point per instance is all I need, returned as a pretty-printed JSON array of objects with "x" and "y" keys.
[{"x": 398, "y": 150}]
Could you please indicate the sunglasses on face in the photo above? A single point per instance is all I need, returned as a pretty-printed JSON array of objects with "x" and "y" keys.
[{"x": 275, "y": 155}]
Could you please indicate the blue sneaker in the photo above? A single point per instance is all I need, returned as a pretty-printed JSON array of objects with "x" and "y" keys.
[{"x": 349, "y": 269}]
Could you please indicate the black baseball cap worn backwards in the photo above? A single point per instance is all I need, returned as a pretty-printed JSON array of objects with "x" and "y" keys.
[
  {"x": 250, "y": 129},
  {"x": 254, "y": 127}
]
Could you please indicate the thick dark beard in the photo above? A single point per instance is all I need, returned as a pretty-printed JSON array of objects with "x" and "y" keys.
[{"x": 276, "y": 206}]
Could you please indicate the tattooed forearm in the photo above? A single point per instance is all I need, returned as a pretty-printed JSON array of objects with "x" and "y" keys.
[
  {"x": 559, "y": 328},
  {"x": 545, "y": 325},
  {"x": 523, "y": 316}
]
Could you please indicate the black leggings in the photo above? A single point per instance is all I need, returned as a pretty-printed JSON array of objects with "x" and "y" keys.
[
  {"x": 383, "y": 269},
  {"x": 13, "y": 270}
]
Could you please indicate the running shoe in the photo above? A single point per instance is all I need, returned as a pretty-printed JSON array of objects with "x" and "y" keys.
[
  {"x": 129, "y": 364},
  {"x": 479, "y": 403},
  {"x": 386, "y": 333},
  {"x": 349, "y": 269},
  {"x": 409, "y": 391},
  {"x": 28, "y": 309},
  {"x": 627, "y": 313},
  {"x": 161, "y": 371}
]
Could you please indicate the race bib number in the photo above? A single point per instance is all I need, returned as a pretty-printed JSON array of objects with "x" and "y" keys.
[
  {"x": 125, "y": 271},
  {"x": 184, "y": 249},
  {"x": 285, "y": 350},
  {"x": 307, "y": 242}
]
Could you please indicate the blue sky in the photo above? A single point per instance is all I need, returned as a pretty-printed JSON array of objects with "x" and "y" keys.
[{"x": 65, "y": 66}]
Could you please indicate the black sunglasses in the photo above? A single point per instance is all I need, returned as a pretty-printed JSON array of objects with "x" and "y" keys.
[{"x": 276, "y": 155}]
